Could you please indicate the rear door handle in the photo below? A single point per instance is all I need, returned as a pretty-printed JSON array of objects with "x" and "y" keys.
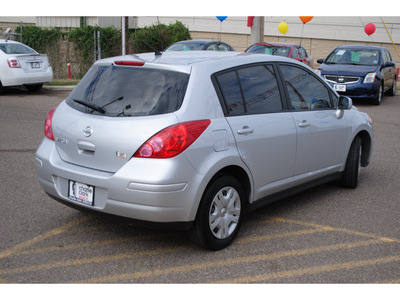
[
  {"x": 304, "y": 124},
  {"x": 245, "y": 130}
]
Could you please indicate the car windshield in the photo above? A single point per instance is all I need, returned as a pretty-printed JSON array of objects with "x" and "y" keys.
[
  {"x": 186, "y": 46},
  {"x": 11, "y": 48},
  {"x": 367, "y": 57},
  {"x": 119, "y": 91},
  {"x": 271, "y": 50}
]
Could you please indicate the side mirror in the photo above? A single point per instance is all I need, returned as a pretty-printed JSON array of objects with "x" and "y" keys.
[
  {"x": 320, "y": 61},
  {"x": 389, "y": 64},
  {"x": 344, "y": 103}
]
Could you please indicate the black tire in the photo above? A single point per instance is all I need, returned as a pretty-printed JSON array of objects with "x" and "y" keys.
[
  {"x": 351, "y": 172},
  {"x": 1, "y": 88},
  {"x": 34, "y": 87},
  {"x": 378, "y": 98},
  {"x": 219, "y": 215}
]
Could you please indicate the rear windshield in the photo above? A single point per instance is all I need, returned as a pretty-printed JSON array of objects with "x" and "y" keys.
[
  {"x": 11, "y": 48},
  {"x": 123, "y": 91}
]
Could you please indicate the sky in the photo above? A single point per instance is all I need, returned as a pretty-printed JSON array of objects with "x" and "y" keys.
[{"x": 201, "y": 8}]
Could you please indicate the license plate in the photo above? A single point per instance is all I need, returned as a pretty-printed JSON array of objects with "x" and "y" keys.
[
  {"x": 340, "y": 87},
  {"x": 81, "y": 193},
  {"x": 35, "y": 65}
]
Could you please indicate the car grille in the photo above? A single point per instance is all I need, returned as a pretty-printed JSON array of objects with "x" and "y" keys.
[{"x": 342, "y": 79}]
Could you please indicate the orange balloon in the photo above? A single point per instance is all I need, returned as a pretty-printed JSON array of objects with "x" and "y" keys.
[{"x": 305, "y": 19}]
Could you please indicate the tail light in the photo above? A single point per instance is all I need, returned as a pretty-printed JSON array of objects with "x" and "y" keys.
[
  {"x": 129, "y": 63},
  {"x": 48, "y": 124},
  {"x": 13, "y": 62},
  {"x": 172, "y": 140}
]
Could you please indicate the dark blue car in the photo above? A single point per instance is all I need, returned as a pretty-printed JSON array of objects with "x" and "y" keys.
[{"x": 360, "y": 72}]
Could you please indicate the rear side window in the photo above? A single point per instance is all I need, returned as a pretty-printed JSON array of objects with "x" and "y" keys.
[
  {"x": 129, "y": 91},
  {"x": 304, "y": 89},
  {"x": 11, "y": 48},
  {"x": 250, "y": 90}
]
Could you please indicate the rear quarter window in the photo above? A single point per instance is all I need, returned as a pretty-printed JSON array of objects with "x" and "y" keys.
[{"x": 124, "y": 91}]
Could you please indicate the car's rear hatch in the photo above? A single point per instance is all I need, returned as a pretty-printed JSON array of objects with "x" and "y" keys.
[{"x": 113, "y": 111}]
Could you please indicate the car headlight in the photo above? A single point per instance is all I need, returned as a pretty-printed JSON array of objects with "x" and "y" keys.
[
  {"x": 370, "y": 78},
  {"x": 370, "y": 123}
]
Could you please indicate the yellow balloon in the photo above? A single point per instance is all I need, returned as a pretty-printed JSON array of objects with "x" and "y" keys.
[{"x": 283, "y": 27}]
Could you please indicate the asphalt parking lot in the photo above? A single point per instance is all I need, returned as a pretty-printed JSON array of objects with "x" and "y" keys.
[{"x": 324, "y": 235}]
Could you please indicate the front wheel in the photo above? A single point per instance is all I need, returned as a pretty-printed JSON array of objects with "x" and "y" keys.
[
  {"x": 378, "y": 98},
  {"x": 220, "y": 214},
  {"x": 392, "y": 90},
  {"x": 351, "y": 172}
]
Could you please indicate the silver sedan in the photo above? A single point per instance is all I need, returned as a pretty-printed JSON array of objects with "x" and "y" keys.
[{"x": 194, "y": 140}]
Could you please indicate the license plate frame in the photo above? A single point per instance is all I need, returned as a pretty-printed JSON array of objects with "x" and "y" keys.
[
  {"x": 35, "y": 65},
  {"x": 81, "y": 192},
  {"x": 339, "y": 87}
]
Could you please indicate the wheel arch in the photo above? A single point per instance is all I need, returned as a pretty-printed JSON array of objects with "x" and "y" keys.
[
  {"x": 241, "y": 175},
  {"x": 235, "y": 171},
  {"x": 366, "y": 146}
]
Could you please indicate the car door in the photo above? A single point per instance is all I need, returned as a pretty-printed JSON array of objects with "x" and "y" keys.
[
  {"x": 264, "y": 132},
  {"x": 321, "y": 134},
  {"x": 388, "y": 69}
]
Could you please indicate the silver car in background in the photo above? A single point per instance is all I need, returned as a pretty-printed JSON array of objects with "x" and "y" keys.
[{"x": 196, "y": 139}]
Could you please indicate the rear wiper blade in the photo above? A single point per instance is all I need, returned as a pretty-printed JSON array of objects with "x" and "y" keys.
[
  {"x": 91, "y": 105},
  {"x": 119, "y": 98}
]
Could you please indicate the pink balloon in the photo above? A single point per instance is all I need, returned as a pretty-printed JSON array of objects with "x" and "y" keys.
[{"x": 369, "y": 28}]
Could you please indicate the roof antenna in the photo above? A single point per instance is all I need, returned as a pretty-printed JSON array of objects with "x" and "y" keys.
[{"x": 157, "y": 53}]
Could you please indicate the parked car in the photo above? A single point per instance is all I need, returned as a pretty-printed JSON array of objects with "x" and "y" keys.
[
  {"x": 360, "y": 72},
  {"x": 200, "y": 45},
  {"x": 21, "y": 65},
  {"x": 290, "y": 50},
  {"x": 196, "y": 139}
]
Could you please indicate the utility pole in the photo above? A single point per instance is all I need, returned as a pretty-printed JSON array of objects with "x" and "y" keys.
[
  {"x": 257, "y": 30},
  {"x": 125, "y": 35}
]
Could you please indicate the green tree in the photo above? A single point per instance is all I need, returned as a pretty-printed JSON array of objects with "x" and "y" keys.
[{"x": 158, "y": 37}]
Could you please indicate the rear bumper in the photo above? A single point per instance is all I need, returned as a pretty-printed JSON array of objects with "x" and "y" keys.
[
  {"x": 17, "y": 77},
  {"x": 122, "y": 193}
]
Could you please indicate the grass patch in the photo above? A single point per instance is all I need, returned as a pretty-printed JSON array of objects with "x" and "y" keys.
[{"x": 63, "y": 82}]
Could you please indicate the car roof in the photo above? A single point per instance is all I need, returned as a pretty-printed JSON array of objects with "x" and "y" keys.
[
  {"x": 9, "y": 41},
  {"x": 185, "y": 60},
  {"x": 197, "y": 42},
  {"x": 360, "y": 47},
  {"x": 277, "y": 44}
]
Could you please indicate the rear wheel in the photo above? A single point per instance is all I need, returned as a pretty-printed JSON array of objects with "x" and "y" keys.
[
  {"x": 220, "y": 214},
  {"x": 351, "y": 172}
]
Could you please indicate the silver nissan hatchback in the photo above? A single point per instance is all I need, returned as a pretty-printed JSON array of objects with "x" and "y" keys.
[{"x": 194, "y": 140}]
